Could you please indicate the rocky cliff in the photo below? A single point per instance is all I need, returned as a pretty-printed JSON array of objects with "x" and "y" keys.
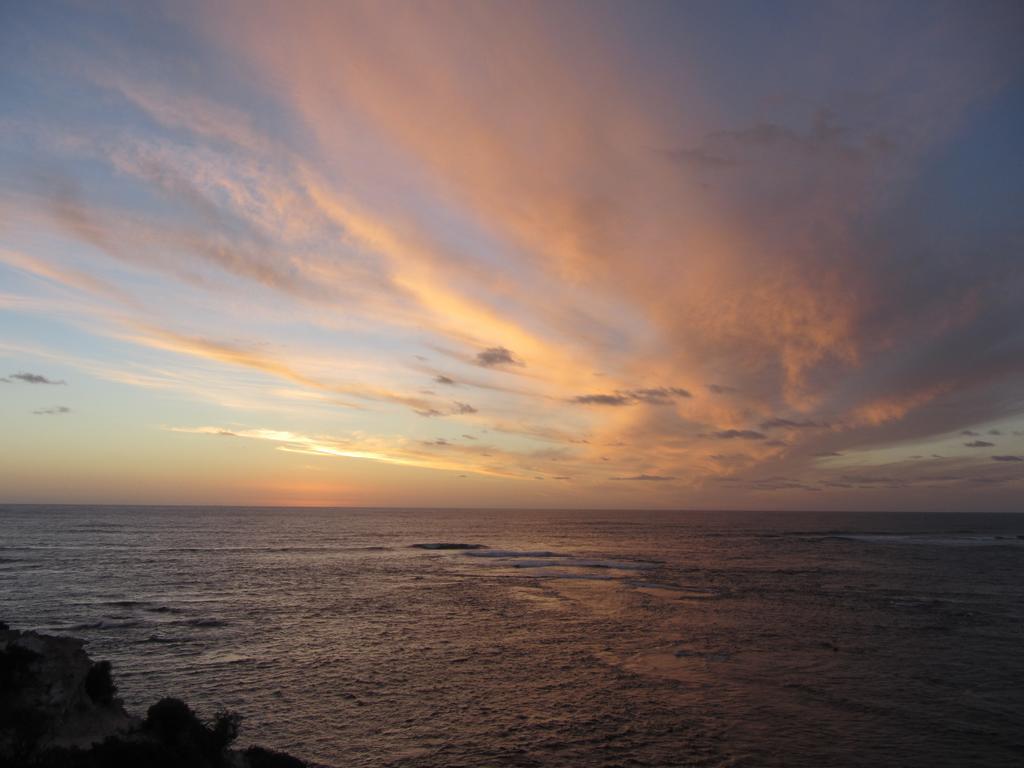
[{"x": 60, "y": 708}]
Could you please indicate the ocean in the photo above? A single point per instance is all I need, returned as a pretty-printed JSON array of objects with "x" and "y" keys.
[{"x": 567, "y": 638}]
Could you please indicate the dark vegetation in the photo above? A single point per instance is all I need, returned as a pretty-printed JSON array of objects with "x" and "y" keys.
[
  {"x": 99, "y": 683},
  {"x": 58, "y": 709}
]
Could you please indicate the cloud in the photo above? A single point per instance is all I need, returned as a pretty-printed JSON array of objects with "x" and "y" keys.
[
  {"x": 389, "y": 451},
  {"x": 225, "y": 237},
  {"x": 737, "y": 434},
  {"x": 776, "y": 423},
  {"x": 56, "y": 410},
  {"x": 461, "y": 408},
  {"x": 493, "y": 356},
  {"x": 970, "y": 433},
  {"x": 1008, "y": 458},
  {"x": 65, "y": 275},
  {"x": 650, "y": 396},
  {"x": 720, "y": 389},
  {"x": 825, "y": 140},
  {"x": 979, "y": 444},
  {"x": 700, "y": 159},
  {"x": 658, "y": 395},
  {"x": 773, "y": 483},
  {"x": 647, "y": 478},
  {"x": 35, "y": 378},
  {"x": 253, "y": 356},
  {"x": 618, "y": 399},
  {"x": 804, "y": 255}
]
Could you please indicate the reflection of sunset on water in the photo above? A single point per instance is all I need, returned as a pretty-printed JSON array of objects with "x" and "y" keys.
[{"x": 550, "y": 638}]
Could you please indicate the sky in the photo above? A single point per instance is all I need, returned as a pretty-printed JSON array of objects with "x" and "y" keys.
[{"x": 714, "y": 255}]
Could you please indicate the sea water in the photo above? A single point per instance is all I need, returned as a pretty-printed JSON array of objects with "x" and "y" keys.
[{"x": 563, "y": 638}]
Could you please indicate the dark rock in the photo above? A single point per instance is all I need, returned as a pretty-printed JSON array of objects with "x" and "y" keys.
[
  {"x": 49, "y": 695},
  {"x": 99, "y": 684},
  {"x": 447, "y": 545},
  {"x": 58, "y": 709}
]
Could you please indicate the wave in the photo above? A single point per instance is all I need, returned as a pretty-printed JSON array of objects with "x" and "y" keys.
[
  {"x": 511, "y": 553},
  {"x": 930, "y": 539},
  {"x": 566, "y": 562},
  {"x": 104, "y": 624},
  {"x": 163, "y": 640},
  {"x": 204, "y": 622}
]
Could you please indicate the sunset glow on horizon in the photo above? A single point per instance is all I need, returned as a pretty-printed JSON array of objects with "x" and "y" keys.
[{"x": 513, "y": 254}]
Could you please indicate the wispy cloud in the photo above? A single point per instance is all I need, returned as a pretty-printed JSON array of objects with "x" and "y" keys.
[
  {"x": 780, "y": 423},
  {"x": 496, "y": 356},
  {"x": 34, "y": 378},
  {"x": 720, "y": 389},
  {"x": 371, "y": 449},
  {"x": 646, "y": 478},
  {"x": 650, "y": 396},
  {"x": 737, "y": 434}
]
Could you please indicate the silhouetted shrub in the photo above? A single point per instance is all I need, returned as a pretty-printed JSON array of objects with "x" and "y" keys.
[
  {"x": 176, "y": 726},
  {"x": 224, "y": 730},
  {"x": 99, "y": 683},
  {"x": 170, "y": 718}
]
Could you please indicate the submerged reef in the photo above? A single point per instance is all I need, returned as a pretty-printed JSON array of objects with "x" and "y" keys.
[{"x": 60, "y": 708}]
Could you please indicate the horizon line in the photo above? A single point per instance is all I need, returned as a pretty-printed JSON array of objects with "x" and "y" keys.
[{"x": 684, "y": 510}]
